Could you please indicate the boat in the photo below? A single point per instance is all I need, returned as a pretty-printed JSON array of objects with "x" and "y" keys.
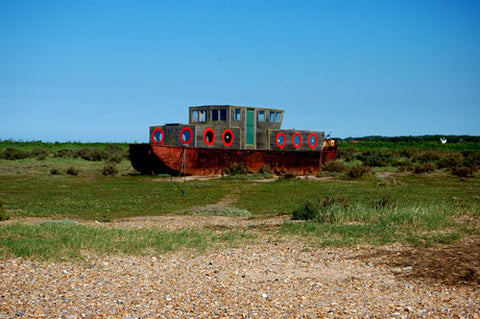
[{"x": 219, "y": 136}]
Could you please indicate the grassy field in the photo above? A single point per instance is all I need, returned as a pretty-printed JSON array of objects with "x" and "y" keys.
[{"x": 395, "y": 206}]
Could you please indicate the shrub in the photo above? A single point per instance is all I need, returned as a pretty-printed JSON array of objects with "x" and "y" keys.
[
  {"x": 374, "y": 161},
  {"x": 320, "y": 210},
  {"x": 335, "y": 166},
  {"x": 91, "y": 154},
  {"x": 236, "y": 169},
  {"x": 334, "y": 201},
  {"x": 114, "y": 158},
  {"x": 378, "y": 158},
  {"x": 72, "y": 171},
  {"x": 384, "y": 202},
  {"x": 348, "y": 154},
  {"x": 104, "y": 219},
  {"x": 410, "y": 153},
  {"x": 40, "y": 153},
  {"x": 3, "y": 214},
  {"x": 307, "y": 211},
  {"x": 359, "y": 171},
  {"x": 14, "y": 154},
  {"x": 110, "y": 169},
  {"x": 55, "y": 171},
  {"x": 287, "y": 176},
  {"x": 341, "y": 155},
  {"x": 428, "y": 156},
  {"x": 402, "y": 161},
  {"x": 112, "y": 148},
  {"x": 450, "y": 159},
  {"x": 472, "y": 159},
  {"x": 406, "y": 167},
  {"x": 65, "y": 153},
  {"x": 265, "y": 170},
  {"x": 115, "y": 154},
  {"x": 425, "y": 168},
  {"x": 463, "y": 171}
]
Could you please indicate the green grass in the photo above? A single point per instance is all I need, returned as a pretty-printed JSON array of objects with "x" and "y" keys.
[
  {"x": 214, "y": 210},
  {"x": 57, "y": 241},
  {"x": 55, "y": 146},
  {"x": 416, "y": 208},
  {"x": 425, "y": 223},
  {"x": 29, "y": 190}
]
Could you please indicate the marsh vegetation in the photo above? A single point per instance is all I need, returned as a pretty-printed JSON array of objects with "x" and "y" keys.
[{"x": 349, "y": 203}]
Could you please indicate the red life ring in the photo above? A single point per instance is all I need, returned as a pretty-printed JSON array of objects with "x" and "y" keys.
[
  {"x": 209, "y": 136},
  {"x": 311, "y": 137},
  {"x": 228, "y": 138},
  {"x": 297, "y": 145},
  {"x": 281, "y": 140},
  {"x": 158, "y": 136},
  {"x": 188, "y": 137}
]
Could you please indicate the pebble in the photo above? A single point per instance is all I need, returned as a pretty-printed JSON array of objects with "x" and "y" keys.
[{"x": 263, "y": 280}]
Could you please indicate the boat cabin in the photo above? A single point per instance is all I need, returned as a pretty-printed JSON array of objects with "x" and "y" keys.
[{"x": 236, "y": 127}]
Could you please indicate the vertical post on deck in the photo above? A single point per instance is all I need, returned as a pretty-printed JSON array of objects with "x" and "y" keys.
[{"x": 184, "y": 166}]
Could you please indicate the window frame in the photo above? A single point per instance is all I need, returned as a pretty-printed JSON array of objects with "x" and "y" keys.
[
  {"x": 239, "y": 113},
  {"x": 261, "y": 115},
  {"x": 272, "y": 117},
  {"x": 194, "y": 115},
  {"x": 278, "y": 117},
  {"x": 223, "y": 115},
  {"x": 214, "y": 113},
  {"x": 202, "y": 115}
]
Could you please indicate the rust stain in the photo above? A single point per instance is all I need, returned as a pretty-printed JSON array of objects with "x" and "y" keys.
[{"x": 153, "y": 158}]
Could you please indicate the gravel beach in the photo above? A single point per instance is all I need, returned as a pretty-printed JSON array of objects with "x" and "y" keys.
[{"x": 265, "y": 279}]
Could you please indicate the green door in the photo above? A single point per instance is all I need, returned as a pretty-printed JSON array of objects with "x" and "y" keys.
[{"x": 250, "y": 125}]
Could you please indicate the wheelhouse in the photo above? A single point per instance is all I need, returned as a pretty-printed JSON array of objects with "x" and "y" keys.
[{"x": 236, "y": 127}]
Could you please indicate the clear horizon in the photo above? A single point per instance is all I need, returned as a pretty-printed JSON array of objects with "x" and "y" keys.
[{"x": 105, "y": 71}]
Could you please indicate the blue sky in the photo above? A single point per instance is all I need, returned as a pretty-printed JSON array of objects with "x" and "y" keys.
[{"x": 104, "y": 71}]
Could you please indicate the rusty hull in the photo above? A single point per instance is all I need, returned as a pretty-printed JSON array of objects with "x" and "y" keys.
[{"x": 157, "y": 159}]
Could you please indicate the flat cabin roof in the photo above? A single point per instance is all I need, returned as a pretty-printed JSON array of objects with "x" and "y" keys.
[{"x": 234, "y": 106}]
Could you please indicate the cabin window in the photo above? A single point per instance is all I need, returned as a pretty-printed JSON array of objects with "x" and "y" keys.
[
  {"x": 238, "y": 115},
  {"x": 272, "y": 117},
  {"x": 201, "y": 116},
  {"x": 261, "y": 116},
  {"x": 219, "y": 115},
  {"x": 279, "y": 117},
  {"x": 223, "y": 115},
  {"x": 195, "y": 116}
]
